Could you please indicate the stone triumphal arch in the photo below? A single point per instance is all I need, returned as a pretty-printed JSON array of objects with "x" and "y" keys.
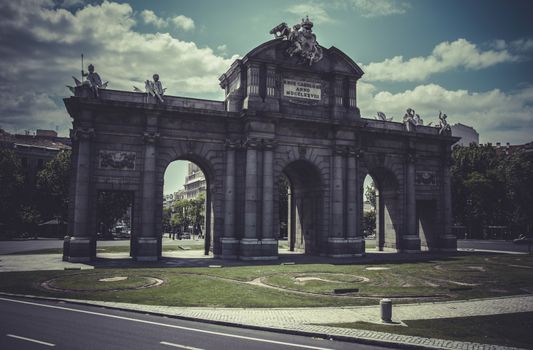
[{"x": 290, "y": 110}]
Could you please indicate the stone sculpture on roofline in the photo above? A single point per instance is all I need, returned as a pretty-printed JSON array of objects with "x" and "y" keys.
[
  {"x": 153, "y": 88},
  {"x": 443, "y": 126},
  {"x": 409, "y": 119},
  {"x": 93, "y": 80},
  {"x": 302, "y": 40},
  {"x": 383, "y": 117}
]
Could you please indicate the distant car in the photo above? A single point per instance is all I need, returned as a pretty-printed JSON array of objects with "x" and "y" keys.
[{"x": 523, "y": 240}]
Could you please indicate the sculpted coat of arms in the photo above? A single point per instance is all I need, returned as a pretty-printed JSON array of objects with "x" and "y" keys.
[{"x": 302, "y": 40}]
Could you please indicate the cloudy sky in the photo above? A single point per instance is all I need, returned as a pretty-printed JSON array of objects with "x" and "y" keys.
[{"x": 472, "y": 59}]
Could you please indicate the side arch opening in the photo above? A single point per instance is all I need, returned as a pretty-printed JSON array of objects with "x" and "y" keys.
[
  {"x": 382, "y": 187},
  {"x": 187, "y": 210}
]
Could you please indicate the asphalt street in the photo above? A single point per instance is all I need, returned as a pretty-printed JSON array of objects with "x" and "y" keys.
[
  {"x": 10, "y": 247},
  {"x": 488, "y": 245},
  {"x": 30, "y": 324}
]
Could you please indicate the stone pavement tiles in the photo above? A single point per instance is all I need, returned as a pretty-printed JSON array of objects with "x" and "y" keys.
[{"x": 308, "y": 320}]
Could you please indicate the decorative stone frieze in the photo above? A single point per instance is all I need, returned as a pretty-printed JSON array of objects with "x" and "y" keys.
[{"x": 119, "y": 160}]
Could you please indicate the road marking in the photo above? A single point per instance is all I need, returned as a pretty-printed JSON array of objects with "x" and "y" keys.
[
  {"x": 30, "y": 339},
  {"x": 179, "y": 346},
  {"x": 168, "y": 325}
]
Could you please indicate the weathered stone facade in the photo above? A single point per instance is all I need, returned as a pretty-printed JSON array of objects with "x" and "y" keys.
[{"x": 279, "y": 117}]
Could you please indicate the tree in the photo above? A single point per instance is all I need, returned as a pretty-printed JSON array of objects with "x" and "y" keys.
[
  {"x": 187, "y": 212},
  {"x": 111, "y": 207},
  {"x": 11, "y": 184},
  {"x": 53, "y": 186},
  {"x": 370, "y": 194},
  {"x": 283, "y": 190},
  {"x": 492, "y": 188},
  {"x": 369, "y": 223}
]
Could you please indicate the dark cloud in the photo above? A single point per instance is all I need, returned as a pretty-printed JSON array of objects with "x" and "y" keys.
[{"x": 40, "y": 47}]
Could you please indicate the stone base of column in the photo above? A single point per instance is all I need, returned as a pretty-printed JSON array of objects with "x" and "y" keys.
[
  {"x": 229, "y": 249},
  {"x": 448, "y": 243},
  {"x": 253, "y": 102},
  {"x": 271, "y": 104},
  {"x": 345, "y": 247},
  {"x": 255, "y": 249},
  {"x": 410, "y": 244},
  {"x": 79, "y": 250},
  {"x": 147, "y": 249}
]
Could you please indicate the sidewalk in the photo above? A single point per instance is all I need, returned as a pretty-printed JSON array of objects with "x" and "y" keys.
[{"x": 306, "y": 321}]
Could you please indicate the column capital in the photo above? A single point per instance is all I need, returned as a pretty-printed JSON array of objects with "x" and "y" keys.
[
  {"x": 232, "y": 144},
  {"x": 269, "y": 144},
  {"x": 252, "y": 143},
  {"x": 83, "y": 133},
  {"x": 150, "y": 137},
  {"x": 340, "y": 150}
]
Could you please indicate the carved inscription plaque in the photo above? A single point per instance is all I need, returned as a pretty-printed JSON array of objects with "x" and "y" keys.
[{"x": 302, "y": 89}]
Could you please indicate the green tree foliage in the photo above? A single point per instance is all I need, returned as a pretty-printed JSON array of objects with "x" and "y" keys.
[
  {"x": 370, "y": 194},
  {"x": 283, "y": 190},
  {"x": 491, "y": 188},
  {"x": 53, "y": 185},
  {"x": 11, "y": 184},
  {"x": 187, "y": 212},
  {"x": 369, "y": 223},
  {"x": 111, "y": 207}
]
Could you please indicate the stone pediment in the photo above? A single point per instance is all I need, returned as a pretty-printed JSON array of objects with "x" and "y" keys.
[
  {"x": 270, "y": 78},
  {"x": 334, "y": 60}
]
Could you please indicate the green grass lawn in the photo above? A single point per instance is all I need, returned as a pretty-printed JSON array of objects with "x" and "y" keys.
[
  {"x": 447, "y": 278},
  {"x": 514, "y": 330}
]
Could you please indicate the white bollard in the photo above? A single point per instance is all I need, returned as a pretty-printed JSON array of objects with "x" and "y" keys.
[{"x": 386, "y": 310}]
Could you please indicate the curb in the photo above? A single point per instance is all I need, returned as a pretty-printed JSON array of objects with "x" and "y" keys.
[{"x": 350, "y": 339}]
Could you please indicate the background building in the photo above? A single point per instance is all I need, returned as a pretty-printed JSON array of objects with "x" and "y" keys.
[
  {"x": 195, "y": 183},
  {"x": 467, "y": 134},
  {"x": 34, "y": 150}
]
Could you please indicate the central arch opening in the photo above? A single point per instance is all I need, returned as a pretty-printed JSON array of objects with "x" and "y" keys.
[
  {"x": 187, "y": 211},
  {"x": 300, "y": 209}
]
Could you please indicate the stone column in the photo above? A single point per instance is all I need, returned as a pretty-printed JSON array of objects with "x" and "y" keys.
[
  {"x": 352, "y": 98},
  {"x": 252, "y": 87},
  {"x": 355, "y": 241},
  {"x": 230, "y": 245},
  {"x": 80, "y": 245},
  {"x": 146, "y": 249},
  {"x": 250, "y": 245},
  {"x": 337, "y": 238},
  {"x": 269, "y": 243},
  {"x": 448, "y": 242},
  {"x": 337, "y": 102},
  {"x": 410, "y": 241},
  {"x": 272, "y": 98}
]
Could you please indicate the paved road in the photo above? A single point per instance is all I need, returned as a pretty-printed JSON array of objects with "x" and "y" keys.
[
  {"x": 27, "y": 324},
  {"x": 500, "y": 246},
  {"x": 10, "y": 247}
]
